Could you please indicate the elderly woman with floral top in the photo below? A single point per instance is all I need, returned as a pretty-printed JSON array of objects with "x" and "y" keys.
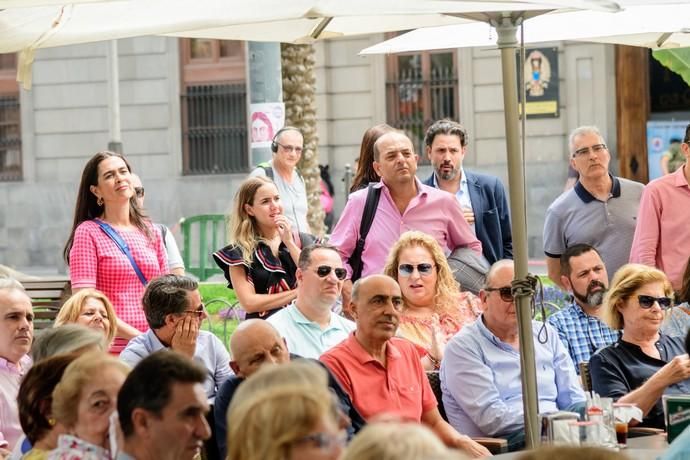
[{"x": 435, "y": 309}]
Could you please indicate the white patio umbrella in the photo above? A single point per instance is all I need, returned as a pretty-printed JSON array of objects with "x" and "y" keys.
[
  {"x": 26, "y": 29},
  {"x": 650, "y": 24}
]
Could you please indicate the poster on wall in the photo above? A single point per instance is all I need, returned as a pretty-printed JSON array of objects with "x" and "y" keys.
[
  {"x": 266, "y": 119},
  {"x": 540, "y": 71},
  {"x": 663, "y": 146}
]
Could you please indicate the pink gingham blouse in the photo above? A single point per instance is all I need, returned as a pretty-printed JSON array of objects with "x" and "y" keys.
[{"x": 97, "y": 262}]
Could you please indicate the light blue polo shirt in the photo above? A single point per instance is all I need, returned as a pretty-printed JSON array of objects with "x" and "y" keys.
[{"x": 306, "y": 338}]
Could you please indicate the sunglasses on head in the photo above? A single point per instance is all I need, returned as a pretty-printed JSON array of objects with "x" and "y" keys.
[
  {"x": 324, "y": 270},
  {"x": 647, "y": 301},
  {"x": 505, "y": 292},
  {"x": 407, "y": 269},
  {"x": 139, "y": 191}
]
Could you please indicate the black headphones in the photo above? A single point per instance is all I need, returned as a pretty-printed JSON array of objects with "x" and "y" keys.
[{"x": 274, "y": 144}]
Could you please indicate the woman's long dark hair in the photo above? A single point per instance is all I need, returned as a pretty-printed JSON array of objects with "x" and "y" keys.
[
  {"x": 87, "y": 207},
  {"x": 365, "y": 166}
]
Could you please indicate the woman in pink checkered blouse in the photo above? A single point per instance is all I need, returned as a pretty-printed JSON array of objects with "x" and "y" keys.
[{"x": 96, "y": 261}]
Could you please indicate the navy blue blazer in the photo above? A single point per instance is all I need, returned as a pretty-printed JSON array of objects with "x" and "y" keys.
[{"x": 491, "y": 215}]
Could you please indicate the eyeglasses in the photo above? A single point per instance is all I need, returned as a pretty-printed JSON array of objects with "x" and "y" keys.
[
  {"x": 198, "y": 312},
  {"x": 647, "y": 301},
  {"x": 505, "y": 292},
  {"x": 290, "y": 148},
  {"x": 139, "y": 191},
  {"x": 325, "y": 441},
  {"x": 408, "y": 269},
  {"x": 324, "y": 270},
  {"x": 596, "y": 148}
]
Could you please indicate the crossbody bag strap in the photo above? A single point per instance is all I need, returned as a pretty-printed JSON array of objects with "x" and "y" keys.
[
  {"x": 112, "y": 233},
  {"x": 370, "y": 206}
]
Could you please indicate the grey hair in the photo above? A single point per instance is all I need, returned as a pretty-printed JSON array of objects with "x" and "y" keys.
[
  {"x": 305, "y": 254},
  {"x": 10, "y": 283},
  {"x": 66, "y": 339},
  {"x": 166, "y": 295},
  {"x": 581, "y": 131}
]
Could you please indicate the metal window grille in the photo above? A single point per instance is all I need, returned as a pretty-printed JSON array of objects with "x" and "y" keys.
[
  {"x": 214, "y": 130},
  {"x": 415, "y": 99},
  {"x": 10, "y": 139}
]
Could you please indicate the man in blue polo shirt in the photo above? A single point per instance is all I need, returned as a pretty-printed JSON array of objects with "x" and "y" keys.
[
  {"x": 579, "y": 325},
  {"x": 308, "y": 325},
  {"x": 600, "y": 210}
]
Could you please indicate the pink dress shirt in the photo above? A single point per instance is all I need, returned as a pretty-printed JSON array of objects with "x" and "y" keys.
[
  {"x": 663, "y": 229},
  {"x": 432, "y": 211},
  {"x": 10, "y": 377}
]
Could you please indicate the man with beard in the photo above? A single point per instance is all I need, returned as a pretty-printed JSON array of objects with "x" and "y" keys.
[
  {"x": 579, "y": 326},
  {"x": 599, "y": 210},
  {"x": 482, "y": 197}
]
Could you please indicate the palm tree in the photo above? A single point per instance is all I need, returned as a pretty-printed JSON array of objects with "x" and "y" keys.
[{"x": 300, "y": 111}]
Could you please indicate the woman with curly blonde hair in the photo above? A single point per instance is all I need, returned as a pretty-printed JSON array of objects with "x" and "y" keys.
[
  {"x": 261, "y": 260},
  {"x": 435, "y": 309},
  {"x": 91, "y": 308}
]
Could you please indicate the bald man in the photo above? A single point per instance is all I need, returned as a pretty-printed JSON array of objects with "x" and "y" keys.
[
  {"x": 382, "y": 373},
  {"x": 256, "y": 343}
]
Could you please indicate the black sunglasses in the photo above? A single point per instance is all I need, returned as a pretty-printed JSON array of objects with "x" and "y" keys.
[
  {"x": 505, "y": 292},
  {"x": 407, "y": 269},
  {"x": 647, "y": 301},
  {"x": 324, "y": 270},
  {"x": 139, "y": 191}
]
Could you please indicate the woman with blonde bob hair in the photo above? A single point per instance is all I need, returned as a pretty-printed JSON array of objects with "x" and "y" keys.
[
  {"x": 645, "y": 363},
  {"x": 285, "y": 412},
  {"x": 435, "y": 308},
  {"x": 397, "y": 441},
  {"x": 261, "y": 260},
  {"x": 83, "y": 402},
  {"x": 91, "y": 308}
]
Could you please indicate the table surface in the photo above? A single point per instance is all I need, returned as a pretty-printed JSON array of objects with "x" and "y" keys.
[{"x": 639, "y": 448}]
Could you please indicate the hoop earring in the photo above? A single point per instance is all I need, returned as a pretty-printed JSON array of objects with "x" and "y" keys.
[{"x": 99, "y": 201}]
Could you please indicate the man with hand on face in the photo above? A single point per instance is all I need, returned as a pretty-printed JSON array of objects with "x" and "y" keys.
[
  {"x": 162, "y": 409},
  {"x": 174, "y": 312},
  {"x": 308, "y": 324},
  {"x": 482, "y": 197},
  {"x": 579, "y": 326},
  {"x": 287, "y": 147},
  {"x": 16, "y": 336},
  {"x": 382, "y": 373}
]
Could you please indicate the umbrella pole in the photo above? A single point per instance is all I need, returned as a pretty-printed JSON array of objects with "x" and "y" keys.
[{"x": 506, "y": 29}]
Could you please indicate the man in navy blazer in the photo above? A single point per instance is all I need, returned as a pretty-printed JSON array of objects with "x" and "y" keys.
[{"x": 482, "y": 197}]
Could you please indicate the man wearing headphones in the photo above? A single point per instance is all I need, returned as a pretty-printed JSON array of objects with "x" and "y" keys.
[{"x": 287, "y": 148}]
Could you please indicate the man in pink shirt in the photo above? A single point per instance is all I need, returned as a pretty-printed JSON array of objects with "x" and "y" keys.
[
  {"x": 405, "y": 204},
  {"x": 16, "y": 335},
  {"x": 383, "y": 374},
  {"x": 663, "y": 228}
]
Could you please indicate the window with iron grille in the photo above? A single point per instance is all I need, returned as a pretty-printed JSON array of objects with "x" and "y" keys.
[
  {"x": 214, "y": 107},
  {"x": 420, "y": 89},
  {"x": 10, "y": 126}
]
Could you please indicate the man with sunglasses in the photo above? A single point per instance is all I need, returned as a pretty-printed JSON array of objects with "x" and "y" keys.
[
  {"x": 308, "y": 324},
  {"x": 662, "y": 232},
  {"x": 480, "y": 371},
  {"x": 599, "y": 210},
  {"x": 579, "y": 325},
  {"x": 287, "y": 146},
  {"x": 173, "y": 309}
]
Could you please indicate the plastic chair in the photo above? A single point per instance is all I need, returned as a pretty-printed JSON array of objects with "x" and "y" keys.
[{"x": 202, "y": 235}]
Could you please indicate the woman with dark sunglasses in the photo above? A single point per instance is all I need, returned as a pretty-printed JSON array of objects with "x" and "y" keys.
[
  {"x": 434, "y": 307},
  {"x": 261, "y": 260},
  {"x": 645, "y": 363}
]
